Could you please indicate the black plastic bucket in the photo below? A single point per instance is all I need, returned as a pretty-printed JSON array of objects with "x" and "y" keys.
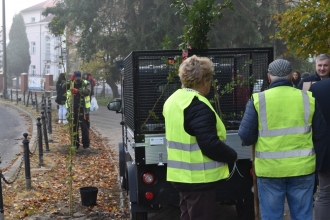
[{"x": 88, "y": 195}]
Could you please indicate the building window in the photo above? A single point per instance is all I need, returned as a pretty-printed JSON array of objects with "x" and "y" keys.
[
  {"x": 47, "y": 69},
  {"x": 59, "y": 69},
  {"x": 33, "y": 19},
  {"x": 47, "y": 48},
  {"x": 33, "y": 70},
  {"x": 33, "y": 47}
]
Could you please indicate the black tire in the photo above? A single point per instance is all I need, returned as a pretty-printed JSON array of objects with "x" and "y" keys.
[
  {"x": 245, "y": 209},
  {"x": 136, "y": 215},
  {"x": 122, "y": 166},
  {"x": 139, "y": 216}
]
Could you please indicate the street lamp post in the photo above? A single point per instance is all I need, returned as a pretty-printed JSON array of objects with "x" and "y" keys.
[{"x": 4, "y": 61}]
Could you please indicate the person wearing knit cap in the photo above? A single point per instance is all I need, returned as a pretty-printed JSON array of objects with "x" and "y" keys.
[{"x": 284, "y": 160}]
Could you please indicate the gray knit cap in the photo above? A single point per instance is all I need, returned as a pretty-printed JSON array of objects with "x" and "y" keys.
[{"x": 280, "y": 68}]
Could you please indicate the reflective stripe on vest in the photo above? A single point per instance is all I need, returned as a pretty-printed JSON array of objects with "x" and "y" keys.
[
  {"x": 283, "y": 149},
  {"x": 193, "y": 167},
  {"x": 284, "y": 131},
  {"x": 187, "y": 166},
  {"x": 285, "y": 154}
]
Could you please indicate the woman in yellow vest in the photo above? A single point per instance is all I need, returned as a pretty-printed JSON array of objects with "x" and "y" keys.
[
  {"x": 197, "y": 155},
  {"x": 284, "y": 152}
]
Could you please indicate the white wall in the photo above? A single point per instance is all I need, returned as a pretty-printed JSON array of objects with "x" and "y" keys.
[{"x": 37, "y": 32}]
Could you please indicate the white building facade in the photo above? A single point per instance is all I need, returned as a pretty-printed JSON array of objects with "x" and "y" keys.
[
  {"x": 45, "y": 49},
  {"x": 1, "y": 51}
]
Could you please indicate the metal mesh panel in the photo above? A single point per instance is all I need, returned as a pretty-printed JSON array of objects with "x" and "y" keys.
[{"x": 238, "y": 73}]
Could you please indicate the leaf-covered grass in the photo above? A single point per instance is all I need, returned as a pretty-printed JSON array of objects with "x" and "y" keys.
[{"x": 50, "y": 183}]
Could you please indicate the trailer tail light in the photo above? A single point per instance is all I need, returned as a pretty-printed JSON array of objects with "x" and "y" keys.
[
  {"x": 148, "y": 178},
  {"x": 251, "y": 172},
  {"x": 149, "y": 195}
]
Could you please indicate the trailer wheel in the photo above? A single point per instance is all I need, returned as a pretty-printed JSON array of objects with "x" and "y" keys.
[
  {"x": 136, "y": 215},
  {"x": 245, "y": 209},
  {"x": 122, "y": 166},
  {"x": 139, "y": 216}
]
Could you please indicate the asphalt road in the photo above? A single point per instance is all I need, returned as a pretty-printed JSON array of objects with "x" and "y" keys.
[{"x": 12, "y": 126}]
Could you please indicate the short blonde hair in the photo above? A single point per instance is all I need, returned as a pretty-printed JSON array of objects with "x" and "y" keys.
[{"x": 194, "y": 71}]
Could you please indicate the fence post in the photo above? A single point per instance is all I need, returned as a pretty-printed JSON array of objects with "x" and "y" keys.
[
  {"x": 36, "y": 100},
  {"x": 17, "y": 96},
  {"x": 2, "y": 217},
  {"x": 41, "y": 153},
  {"x": 42, "y": 98},
  {"x": 27, "y": 161},
  {"x": 50, "y": 124},
  {"x": 24, "y": 97},
  {"x": 11, "y": 95},
  {"x": 28, "y": 97},
  {"x": 45, "y": 129},
  {"x": 32, "y": 103}
]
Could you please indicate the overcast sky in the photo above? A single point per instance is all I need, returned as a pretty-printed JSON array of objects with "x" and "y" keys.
[{"x": 14, "y": 7}]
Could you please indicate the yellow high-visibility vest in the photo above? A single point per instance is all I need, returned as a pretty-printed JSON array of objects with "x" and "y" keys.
[
  {"x": 284, "y": 147},
  {"x": 186, "y": 163},
  {"x": 86, "y": 98}
]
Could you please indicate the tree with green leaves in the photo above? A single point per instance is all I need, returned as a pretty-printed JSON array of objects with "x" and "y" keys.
[
  {"x": 99, "y": 27},
  {"x": 305, "y": 27},
  {"x": 198, "y": 17},
  {"x": 18, "y": 55}
]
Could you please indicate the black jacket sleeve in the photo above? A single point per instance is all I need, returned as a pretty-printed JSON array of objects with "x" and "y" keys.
[
  {"x": 200, "y": 121},
  {"x": 248, "y": 129},
  {"x": 318, "y": 123}
]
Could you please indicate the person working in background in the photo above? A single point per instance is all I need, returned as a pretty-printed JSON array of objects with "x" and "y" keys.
[
  {"x": 61, "y": 98},
  {"x": 296, "y": 77},
  {"x": 80, "y": 89},
  {"x": 197, "y": 154},
  {"x": 304, "y": 75},
  {"x": 322, "y": 72},
  {"x": 284, "y": 152},
  {"x": 88, "y": 77}
]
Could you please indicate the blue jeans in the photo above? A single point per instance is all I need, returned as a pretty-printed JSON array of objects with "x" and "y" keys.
[{"x": 298, "y": 192}]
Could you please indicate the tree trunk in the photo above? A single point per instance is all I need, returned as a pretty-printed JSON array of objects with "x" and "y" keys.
[{"x": 114, "y": 88}]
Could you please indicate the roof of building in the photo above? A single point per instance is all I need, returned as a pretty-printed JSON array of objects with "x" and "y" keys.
[
  {"x": 41, "y": 6},
  {"x": 49, "y": 18}
]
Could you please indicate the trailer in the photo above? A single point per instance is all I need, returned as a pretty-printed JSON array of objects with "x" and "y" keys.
[{"x": 146, "y": 85}]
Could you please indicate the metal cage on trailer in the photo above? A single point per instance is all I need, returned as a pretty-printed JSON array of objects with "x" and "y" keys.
[{"x": 142, "y": 148}]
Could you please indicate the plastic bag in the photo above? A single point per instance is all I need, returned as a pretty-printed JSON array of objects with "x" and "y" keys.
[{"x": 94, "y": 105}]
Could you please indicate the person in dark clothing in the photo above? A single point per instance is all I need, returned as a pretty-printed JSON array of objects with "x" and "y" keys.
[
  {"x": 80, "y": 91},
  {"x": 88, "y": 77},
  {"x": 296, "y": 77},
  {"x": 304, "y": 75},
  {"x": 61, "y": 98},
  {"x": 284, "y": 151},
  {"x": 321, "y": 92},
  {"x": 197, "y": 154},
  {"x": 322, "y": 72}
]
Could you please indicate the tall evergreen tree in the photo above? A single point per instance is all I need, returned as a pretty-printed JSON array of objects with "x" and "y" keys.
[{"x": 18, "y": 55}]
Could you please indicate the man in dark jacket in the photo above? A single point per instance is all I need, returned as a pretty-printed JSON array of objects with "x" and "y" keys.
[
  {"x": 321, "y": 92},
  {"x": 197, "y": 154},
  {"x": 279, "y": 122},
  {"x": 322, "y": 72}
]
